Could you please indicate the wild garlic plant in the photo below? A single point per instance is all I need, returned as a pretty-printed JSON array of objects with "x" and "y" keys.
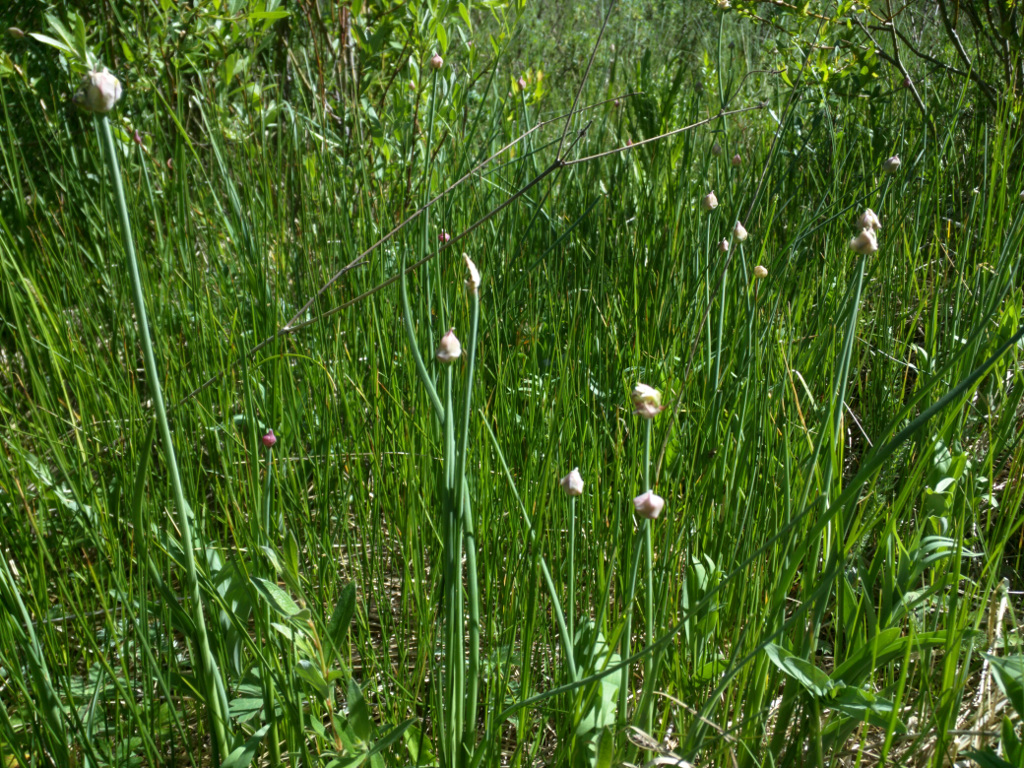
[{"x": 99, "y": 93}]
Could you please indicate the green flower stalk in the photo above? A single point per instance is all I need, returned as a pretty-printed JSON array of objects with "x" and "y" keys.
[{"x": 99, "y": 96}]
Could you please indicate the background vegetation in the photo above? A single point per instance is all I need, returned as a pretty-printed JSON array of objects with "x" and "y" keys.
[{"x": 836, "y": 576}]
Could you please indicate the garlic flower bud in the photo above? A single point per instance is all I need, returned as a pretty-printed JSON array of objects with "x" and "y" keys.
[
  {"x": 723, "y": 246},
  {"x": 649, "y": 505},
  {"x": 740, "y": 232},
  {"x": 646, "y": 401},
  {"x": 449, "y": 349},
  {"x": 436, "y": 61},
  {"x": 709, "y": 202},
  {"x": 891, "y": 164},
  {"x": 473, "y": 283},
  {"x": 865, "y": 242},
  {"x": 760, "y": 272},
  {"x": 716, "y": 149},
  {"x": 99, "y": 92},
  {"x": 869, "y": 220},
  {"x": 737, "y": 161},
  {"x": 572, "y": 483}
]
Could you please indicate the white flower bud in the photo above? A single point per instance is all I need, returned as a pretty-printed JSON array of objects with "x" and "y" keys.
[
  {"x": 436, "y": 61},
  {"x": 99, "y": 92},
  {"x": 646, "y": 401},
  {"x": 865, "y": 242},
  {"x": 723, "y": 245},
  {"x": 739, "y": 232},
  {"x": 449, "y": 350},
  {"x": 572, "y": 483},
  {"x": 709, "y": 202},
  {"x": 473, "y": 284},
  {"x": 649, "y": 505},
  {"x": 869, "y": 220},
  {"x": 891, "y": 164},
  {"x": 760, "y": 272}
]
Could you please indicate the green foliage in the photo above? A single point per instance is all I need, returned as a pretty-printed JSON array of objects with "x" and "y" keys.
[{"x": 832, "y": 541}]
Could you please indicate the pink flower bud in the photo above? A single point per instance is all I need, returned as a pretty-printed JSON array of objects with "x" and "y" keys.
[
  {"x": 436, "y": 61},
  {"x": 723, "y": 245},
  {"x": 443, "y": 237},
  {"x": 269, "y": 439},
  {"x": 865, "y": 243},
  {"x": 646, "y": 401},
  {"x": 521, "y": 83},
  {"x": 99, "y": 92},
  {"x": 736, "y": 161},
  {"x": 869, "y": 220},
  {"x": 649, "y": 505},
  {"x": 449, "y": 349},
  {"x": 572, "y": 483},
  {"x": 473, "y": 283}
]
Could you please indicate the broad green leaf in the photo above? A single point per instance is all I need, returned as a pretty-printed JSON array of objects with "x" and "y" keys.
[
  {"x": 359, "y": 712},
  {"x": 242, "y": 756},
  {"x": 804, "y": 672},
  {"x": 308, "y": 672},
  {"x": 278, "y": 599},
  {"x": 341, "y": 619},
  {"x": 1009, "y": 674}
]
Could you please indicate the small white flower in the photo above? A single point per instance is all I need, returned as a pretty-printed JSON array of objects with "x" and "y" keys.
[
  {"x": 975, "y": 191},
  {"x": 891, "y": 164},
  {"x": 646, "y": 401},
  {"x": 649, "y": 505},
  {"x": 436, "y": 61},
  {"x": 449, "y": 350},
  {"x": 724, "y": 5},
  {"x": 865, "y": 242},
  {"x": 572, "y": 483},
  {"x": 869, "y": 220},
  {"x": 739, "y": 232},
  {"x": 723, "y": 245},
  {"x": 473, "y": 284},
  {"x": 760, "y": 272},
  {"x": 99, "y": 92},
  {"x": 709, "y": 202}
]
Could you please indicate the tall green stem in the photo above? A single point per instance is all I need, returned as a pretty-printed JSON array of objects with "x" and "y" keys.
[
  {"x": 269, "y": 694},
  {"x": 648, "y": 546},
  {"x": 211, "y": 673},
  {"x": 472, "y": 585},
  {"x": 570, "y": 602}
]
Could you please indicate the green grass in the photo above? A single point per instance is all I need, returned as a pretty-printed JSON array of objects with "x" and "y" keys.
[{"x": 826, "y": 573}]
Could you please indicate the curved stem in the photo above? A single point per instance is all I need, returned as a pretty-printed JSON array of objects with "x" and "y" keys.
[
  {"x": 410, "y": 334},
  {"x": 211, "y": 673}
]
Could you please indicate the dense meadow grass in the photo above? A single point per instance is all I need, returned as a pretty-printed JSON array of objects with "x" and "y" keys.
[{"x": 835, "y": 577}]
